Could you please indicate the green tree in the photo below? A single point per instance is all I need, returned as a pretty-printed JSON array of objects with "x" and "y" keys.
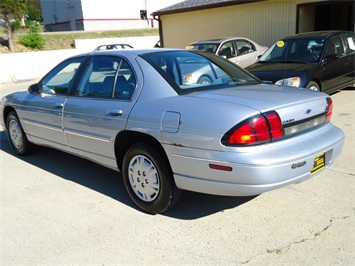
[
  {"x": 11, "y": 10},
  {"x": 34, "y": 10}
]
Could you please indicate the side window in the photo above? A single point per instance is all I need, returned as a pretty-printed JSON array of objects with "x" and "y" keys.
[
  {"x": 125, "y": 82},
  {"x": 107, "y": 77},
  {"x": 349, "y": 40},
  {"x": 59, "y": 80},
  {"x": 227, "y": 50},
  {"x": 335, "y": 46},
  {"x": 244, "y": 47}
]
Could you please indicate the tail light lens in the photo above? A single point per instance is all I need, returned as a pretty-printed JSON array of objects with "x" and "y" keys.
[
  {"x": 329, "y": 109},
  {"x": 256, "y": 130}
]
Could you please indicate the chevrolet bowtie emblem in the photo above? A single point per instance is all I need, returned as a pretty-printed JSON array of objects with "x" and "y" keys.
[{"x": 308, "y": 111}]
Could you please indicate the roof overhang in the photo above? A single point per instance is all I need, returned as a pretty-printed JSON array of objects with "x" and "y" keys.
[{"x": 195, "y": 5}]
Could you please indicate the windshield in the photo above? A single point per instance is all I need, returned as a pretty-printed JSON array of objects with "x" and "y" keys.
[
  {"x": 207, "y": 47},
  {"x": 189, "y": 71},
  {"x": 295, "y": 51}
]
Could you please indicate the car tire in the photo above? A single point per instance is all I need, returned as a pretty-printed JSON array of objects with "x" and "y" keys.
[
  {"x": 148, "y": 179},
  {"x": 313, "y": 86},
  {"x": 16, "y": 136},
  {"x": 204, "y": 80}
]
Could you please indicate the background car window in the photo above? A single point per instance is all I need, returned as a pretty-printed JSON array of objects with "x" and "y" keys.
[
  {"x": 244, "y": 47},
  {"x": 349, "y": 40},
  {"x": 275, "y": 53},
  {"x": 227, "y": 50},
  {"x": 315, "y": 48},
  {"x": 335, "y": 46},
  {"x": 207, "y": 47},
  {"x": 59, "y": 80}
]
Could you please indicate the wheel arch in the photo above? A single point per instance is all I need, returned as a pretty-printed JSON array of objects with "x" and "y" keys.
[
  {"x": 204, "y": 76},
  {"x": 7, "y": 111},
  {"x": 127, "y": 138},
  {"x": 318, "y": 82}
]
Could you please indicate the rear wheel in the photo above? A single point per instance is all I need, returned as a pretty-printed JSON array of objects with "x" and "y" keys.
[
  {"x": 313, "y": 86},
  {"x": 17, "y": 136},
  {"x": 149, "y": 180}
]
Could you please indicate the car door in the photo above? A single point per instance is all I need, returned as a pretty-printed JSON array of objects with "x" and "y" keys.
[
  {"x": 247, "y": 53},
  {"x": 348, "y": 69},
  {"x": 334, "y": 64},
  {"x": 227, "y": 51},
  {"x": 42, "y": 111},
  {"x": 98, "y": 109}
]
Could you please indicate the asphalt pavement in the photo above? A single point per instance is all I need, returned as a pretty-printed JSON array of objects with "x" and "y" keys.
[{"x": 57, "y": 209}]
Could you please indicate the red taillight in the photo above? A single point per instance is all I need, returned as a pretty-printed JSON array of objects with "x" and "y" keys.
[
  {"x": 329, "y": 109},
  {"x": 275, "y": 124},
  {"x": 256, "y": 130}
]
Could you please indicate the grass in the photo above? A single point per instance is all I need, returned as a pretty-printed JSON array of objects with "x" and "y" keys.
[{"x": 64, "y": 40}]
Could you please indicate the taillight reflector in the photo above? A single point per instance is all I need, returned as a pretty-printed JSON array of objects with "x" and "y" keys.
[{"x": 220, "y": 167}]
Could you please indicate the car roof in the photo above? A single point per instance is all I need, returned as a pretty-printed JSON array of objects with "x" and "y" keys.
[
  {"x": 219, "y": 40},
  {"x": 316, "y": 34},
  {"x": 132, "y": 51}
]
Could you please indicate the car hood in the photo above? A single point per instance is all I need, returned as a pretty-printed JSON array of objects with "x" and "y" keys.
[
  {"x": 292, "y": 104},
  {"x": 273, "y": 72}
]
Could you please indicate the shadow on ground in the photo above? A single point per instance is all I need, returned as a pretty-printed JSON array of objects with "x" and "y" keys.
[{"x": 110, "y": 182}]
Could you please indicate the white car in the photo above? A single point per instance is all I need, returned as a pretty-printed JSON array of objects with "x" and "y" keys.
[{"x": 239, "y": 50}]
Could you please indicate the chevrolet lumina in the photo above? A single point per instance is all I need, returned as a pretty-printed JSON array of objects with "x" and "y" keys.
[{"x": 138, "y": 111}]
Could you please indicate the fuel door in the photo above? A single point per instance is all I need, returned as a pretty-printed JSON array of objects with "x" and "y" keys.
[{"x": 170, "y": 122}]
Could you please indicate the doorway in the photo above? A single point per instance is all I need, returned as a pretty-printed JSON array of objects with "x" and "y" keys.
[{"x": 330, "y": 15}]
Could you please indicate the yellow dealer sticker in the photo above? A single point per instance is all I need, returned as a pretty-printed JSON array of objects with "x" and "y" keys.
[{"x": 280, "y": 43}]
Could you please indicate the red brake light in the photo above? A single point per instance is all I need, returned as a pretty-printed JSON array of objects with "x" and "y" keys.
[
  {"x": 256, "y": 130},
  {"x": 329, "y": 109},
  {"x": 275, "y": 124}
]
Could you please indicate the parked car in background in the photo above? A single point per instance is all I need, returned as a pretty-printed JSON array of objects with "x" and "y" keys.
[
  {"x": 139, "y": 112},
  {"x": 321, "y": 60},
  {"x": 239, "y": 50},
  {"x": 118, "y": 46}
]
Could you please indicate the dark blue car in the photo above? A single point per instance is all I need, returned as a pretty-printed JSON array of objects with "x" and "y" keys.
[{"x": 321, "y": 60}]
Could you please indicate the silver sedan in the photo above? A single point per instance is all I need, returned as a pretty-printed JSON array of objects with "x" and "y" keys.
[{"x": 139, "y": 112}]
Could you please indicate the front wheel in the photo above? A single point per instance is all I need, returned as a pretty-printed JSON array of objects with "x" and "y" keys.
[
  {"x": 313, "y": 86},
  {"x": 204, "y": 80},
  {"x": 149, "y": 180},
  {"x": 17, "y": 136}
]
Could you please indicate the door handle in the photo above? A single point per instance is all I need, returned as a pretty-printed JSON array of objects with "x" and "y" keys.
[
  {"x": 114, "y": 112},
  {"x": 58, "y": 105}
]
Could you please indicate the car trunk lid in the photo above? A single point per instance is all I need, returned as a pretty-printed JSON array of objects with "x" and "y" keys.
[{"x": 294, "y": 105}]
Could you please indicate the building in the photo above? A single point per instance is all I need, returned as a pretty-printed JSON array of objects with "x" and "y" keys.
[
  {"x": 89, "y": 15},
  {"x": 263, "y": 21}
]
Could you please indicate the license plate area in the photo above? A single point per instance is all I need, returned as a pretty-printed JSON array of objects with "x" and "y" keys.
[{"x": 319, "y": 163}]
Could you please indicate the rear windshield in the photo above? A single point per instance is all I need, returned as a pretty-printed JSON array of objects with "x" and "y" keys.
[{"x": 189, "y": 71}]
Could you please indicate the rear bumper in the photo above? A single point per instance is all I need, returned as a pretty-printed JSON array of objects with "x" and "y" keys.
[{"x": 255, "y": 169}]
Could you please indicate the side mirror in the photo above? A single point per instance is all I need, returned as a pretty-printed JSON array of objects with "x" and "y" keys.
[
  {"x": 331, "y": 58},
  {"x": 35, "y": 88}
]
